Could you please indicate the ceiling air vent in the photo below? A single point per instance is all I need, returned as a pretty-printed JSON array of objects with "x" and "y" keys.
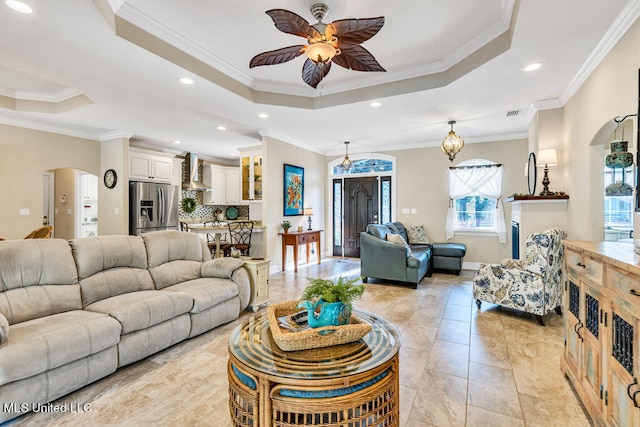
[{"x": 512, "y": 113}]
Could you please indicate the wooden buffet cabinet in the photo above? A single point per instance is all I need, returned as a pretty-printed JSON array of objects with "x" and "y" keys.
[{"x": 602, "y": 320}]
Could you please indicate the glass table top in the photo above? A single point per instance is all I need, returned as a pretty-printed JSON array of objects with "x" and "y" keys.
[{"x": 252, "y": 344}]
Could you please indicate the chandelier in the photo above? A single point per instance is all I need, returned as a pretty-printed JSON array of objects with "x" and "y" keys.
[{"x": 452, "y": 144}]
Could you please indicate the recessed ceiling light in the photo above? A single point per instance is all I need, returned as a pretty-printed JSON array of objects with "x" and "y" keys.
[
  {"x": 221, "y": 128},
  {"x": 186, "y": 81},
  {"x": 263, "y": 115},
  {"x": 532, "y": 67},
  {"x": 375, "y": 104},
  {"x": 19, "y": 6},
  {"x": 232, "y": 154},
  {"x": 177, "y": 142}
]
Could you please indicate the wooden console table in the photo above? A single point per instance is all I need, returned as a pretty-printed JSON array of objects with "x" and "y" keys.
[{"x": 296, "y": 238}]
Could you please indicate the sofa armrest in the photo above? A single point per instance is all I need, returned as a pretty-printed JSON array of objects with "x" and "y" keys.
[
  {"x": 221, "y": 268},
  {"x": 497, "y": 276},
  {"x": 4, "y": 329},
  {"x": 382, "y": 251},
  {"x": 241, "y": 278}
]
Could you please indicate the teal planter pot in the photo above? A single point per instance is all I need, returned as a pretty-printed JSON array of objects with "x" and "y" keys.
[{"x": 326, "y": 313}]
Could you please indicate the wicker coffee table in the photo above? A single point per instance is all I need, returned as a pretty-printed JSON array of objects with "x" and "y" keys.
[{"x": 352, "y": 384}]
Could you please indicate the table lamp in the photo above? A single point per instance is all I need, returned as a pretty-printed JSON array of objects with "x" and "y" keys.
[
  {"x": 309, "y": 212},
  {"x": 547, "y": 158}
]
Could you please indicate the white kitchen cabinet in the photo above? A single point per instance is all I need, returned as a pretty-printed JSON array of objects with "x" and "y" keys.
[
  {"x": 150, "y": 167},
  {"x": 251, "y": 174},
  {"x": 225, "y": 185}
]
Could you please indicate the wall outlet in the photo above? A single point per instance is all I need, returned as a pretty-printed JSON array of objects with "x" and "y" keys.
[
  {"x": 116, "y": 211},
  {"x": 405, "y": 210},
  {"x": 24, "y": 211},
  {"x": 69, "y": 211}
]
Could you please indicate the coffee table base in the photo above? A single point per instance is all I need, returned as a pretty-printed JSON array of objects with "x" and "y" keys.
[{"x": 366, "y": 399}]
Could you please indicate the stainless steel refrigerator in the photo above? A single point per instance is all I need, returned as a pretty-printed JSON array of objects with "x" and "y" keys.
[{"x": 152, "y": 207}]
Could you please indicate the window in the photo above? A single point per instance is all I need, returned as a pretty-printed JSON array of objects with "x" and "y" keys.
[
  {"x": 618, "y": 200},
  {"x": 475, "y": 189},
  {"x": 475, "y": 213}
]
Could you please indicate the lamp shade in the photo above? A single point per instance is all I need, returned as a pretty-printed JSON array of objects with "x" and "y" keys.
[
  {"x": 308, "y": 211},
  {"x": 547, "y": 157}
]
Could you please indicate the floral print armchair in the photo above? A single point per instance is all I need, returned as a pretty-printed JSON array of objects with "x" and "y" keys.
[{"x": 533, "y": 285}]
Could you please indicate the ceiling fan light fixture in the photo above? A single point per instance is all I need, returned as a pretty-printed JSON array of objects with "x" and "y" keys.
[
  {"x": 321, "y": 52},
  {"x": 346, "y": 162},
  {"x": 452, "y": 144}
]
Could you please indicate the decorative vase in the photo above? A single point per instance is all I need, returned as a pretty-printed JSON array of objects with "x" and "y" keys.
[
  {"x": 234, "y": 253},
  {"x": 619, "y": 157},
  {"x": 323, "y": 313},
  {"x": 219, "y": 216},
  {"x": 286, "y": 230}
]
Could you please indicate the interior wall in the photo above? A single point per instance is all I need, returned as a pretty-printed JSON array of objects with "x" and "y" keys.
[
  {"x": 64, "y": 209},
  {"x": 423, "y": 183},
  {"x": 276, "y": 154},
  {"x": 610, "y": 91},
  {"x": 113, "y": 205},
  {"x": 24, "y": 155}
]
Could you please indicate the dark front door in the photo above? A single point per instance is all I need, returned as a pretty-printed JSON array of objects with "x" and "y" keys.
[{"x": 360, "y": 209}]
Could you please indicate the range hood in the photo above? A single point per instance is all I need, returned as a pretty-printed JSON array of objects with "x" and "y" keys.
[{"x": 194, "y": 182}]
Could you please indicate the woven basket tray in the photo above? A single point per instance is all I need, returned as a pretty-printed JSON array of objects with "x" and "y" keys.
[{"x": 314, "y": 337}]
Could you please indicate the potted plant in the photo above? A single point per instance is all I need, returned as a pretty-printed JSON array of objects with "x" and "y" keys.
[
  {"x": 286, "y": 225},
  {"x": 329, "y": 301}
]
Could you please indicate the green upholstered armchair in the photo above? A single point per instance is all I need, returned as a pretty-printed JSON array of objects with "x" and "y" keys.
[{"x": 383, "y": 259}]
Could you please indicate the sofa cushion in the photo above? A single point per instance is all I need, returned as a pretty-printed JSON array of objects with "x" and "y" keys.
[
  {"x": 220, "y": 267},
  {"x": 139, "y": 310},
  {"x": 174, "y": 256},
  {"x": 417, "y": 235},
  {"x": 46, "y": 343},
  {"x": 110, "y": 265},
  {"x": 38, "y": 278},
  {"x": 457, "y": 250},
  {"x": 206, "y": 292},
  {"x": 4, "y": 329},
  {"x": 398, "y": 228},
  {"x": 379, "y": 231}
]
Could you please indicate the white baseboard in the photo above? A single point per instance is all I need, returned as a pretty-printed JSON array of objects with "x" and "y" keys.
[{"x": 471, "y": 265}]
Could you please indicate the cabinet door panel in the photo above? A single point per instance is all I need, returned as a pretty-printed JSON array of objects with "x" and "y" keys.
[
  {"x": 161, "y": 169},
  {"x": 139, "y": 167}
]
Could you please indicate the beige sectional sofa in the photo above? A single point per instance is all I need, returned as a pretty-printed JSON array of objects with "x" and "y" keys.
[{"x": 72, "y": 312}]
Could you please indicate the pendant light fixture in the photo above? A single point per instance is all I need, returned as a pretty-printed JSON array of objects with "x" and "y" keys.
[
  {"x": 346, "y": 163},
  {"x": 452, "y": 144}
]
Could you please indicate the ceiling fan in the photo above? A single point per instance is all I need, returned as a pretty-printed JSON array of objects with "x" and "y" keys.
[{"x": 337, "y": 42}]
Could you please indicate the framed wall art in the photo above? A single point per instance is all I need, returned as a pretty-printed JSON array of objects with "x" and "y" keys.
[{"x": 293, "y": 190}]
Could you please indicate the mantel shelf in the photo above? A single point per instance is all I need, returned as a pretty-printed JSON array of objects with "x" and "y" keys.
[{"x": 531, "y": 198}]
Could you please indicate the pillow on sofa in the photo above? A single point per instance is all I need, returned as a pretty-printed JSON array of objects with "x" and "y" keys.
[
  {"x": 4, "y": 329},
  {"x": 418, "y": 235},
  {"x": 398, "y": 240}
]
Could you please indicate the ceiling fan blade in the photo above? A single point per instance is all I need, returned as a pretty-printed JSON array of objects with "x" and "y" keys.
[
  {"x": 313, "y": 73},
  {"x": 354, "y": 31},
  {"x": 290, "y": 23},
  {"x": 277, "y": 56},
  {"x": 357, "y": 58}
]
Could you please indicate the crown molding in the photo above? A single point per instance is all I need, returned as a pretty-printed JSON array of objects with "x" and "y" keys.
[
  {"x": 146, "y": 23},
  {"x": 627, "y": 16},
  {"x": 115, "y": 135},
  {"x": 34, "y": 125}
]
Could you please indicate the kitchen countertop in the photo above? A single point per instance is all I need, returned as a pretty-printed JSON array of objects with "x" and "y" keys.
[{"x": 256, "y": 223}]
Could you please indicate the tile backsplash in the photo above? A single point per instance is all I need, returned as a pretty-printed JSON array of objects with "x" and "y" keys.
[{"x": 206, "y": 211}]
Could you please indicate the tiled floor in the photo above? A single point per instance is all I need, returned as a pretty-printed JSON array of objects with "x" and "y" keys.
[{"x": 458, "y": 366}]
